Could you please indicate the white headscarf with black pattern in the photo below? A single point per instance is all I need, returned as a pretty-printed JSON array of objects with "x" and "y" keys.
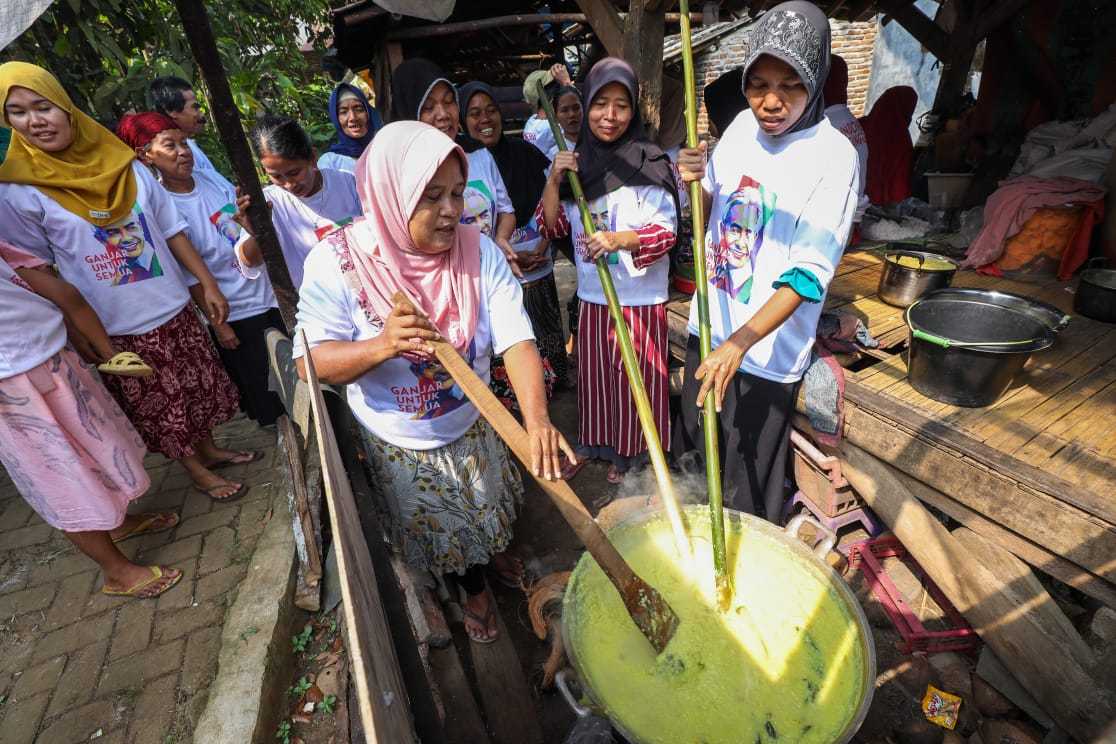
[{"x": 797, "y": 33}]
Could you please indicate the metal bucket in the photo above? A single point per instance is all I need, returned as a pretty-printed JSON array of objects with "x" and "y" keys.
[
  {"x": 901, "y": 285},
  {"x": 810, "y": 561}
]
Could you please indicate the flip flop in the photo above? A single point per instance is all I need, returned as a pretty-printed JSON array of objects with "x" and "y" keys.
[
  {"x": 240, "y": 458},
  {"x": 484, "y": 621},
  {"x": 153, "y": 522},
  {"x": 158, "y": 573},
  {"x": 234, "y": 496},
  {"x": 126, "y": 364}
]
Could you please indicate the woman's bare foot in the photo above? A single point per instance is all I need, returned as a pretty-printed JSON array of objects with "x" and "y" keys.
[
  {"x": 208, "y": 482},
  {"x": 480, "y": 617},
  {"x": 145, "y": 523},
  {"x": 509, "y": 569}
]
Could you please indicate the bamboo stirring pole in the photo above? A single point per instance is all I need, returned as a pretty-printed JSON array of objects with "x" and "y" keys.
[
  {"x": 627, "y": 354},
  {"x": 712, "y": 451}
]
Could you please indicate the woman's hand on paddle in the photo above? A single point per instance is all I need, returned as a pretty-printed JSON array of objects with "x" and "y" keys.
[
  {"x": 563, "y": 161},
  {"x": 717, "y": 371},
  {"x": 406, "y": 332},
  {"x": 546, "y": 444},
  {"x": 226, "y": 336},
  {"x": 692, "y": 162}
]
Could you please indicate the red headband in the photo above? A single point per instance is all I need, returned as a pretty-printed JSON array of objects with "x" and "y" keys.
[{"x": 137, "y": 130}]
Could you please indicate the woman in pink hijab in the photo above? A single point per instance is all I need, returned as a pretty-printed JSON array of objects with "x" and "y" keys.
[{"x": 448, "y": 480}]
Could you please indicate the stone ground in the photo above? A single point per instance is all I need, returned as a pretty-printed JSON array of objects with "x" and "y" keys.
[{"x": 80, "y": 666}]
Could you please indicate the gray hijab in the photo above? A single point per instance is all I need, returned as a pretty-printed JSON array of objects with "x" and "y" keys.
[{"x": 797, "y": 33}]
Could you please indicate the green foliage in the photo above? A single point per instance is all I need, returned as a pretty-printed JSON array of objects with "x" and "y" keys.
[
  {"x": 284, "y": 732},
  {"x": 105, "y": 52},
  {"x": 300, "y": 642},
  {"x": 299, "y": 688},
  {"x": 327, "y": 705}
]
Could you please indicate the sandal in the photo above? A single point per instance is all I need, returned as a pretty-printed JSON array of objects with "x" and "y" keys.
[
  {"x": 141, "y": 590},
  {"x": 236, "y": 495},
  {"x": 126, "y": 364},
  {"x": 152, "y": 522},
  {"x": 485, "y": 621},
  {"x": 511, "y": 579},
  {"x": 238, "y": 458}
]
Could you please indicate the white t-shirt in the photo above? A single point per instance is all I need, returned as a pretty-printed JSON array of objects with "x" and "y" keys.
[
  {"x": 34, "y": 331},
  {"x": 415, "y": 405},
  {"x": 302, "y": 223},
  {"x": 125, "y": 271},
  {"x": 527, "y": 238},
  {"x": 570, "y": 145},
  {"x": 778, "y": 204},
  {"x": 337, "y": 161},
  {"x": 209, "y": 211},
  {"x": 628, "y": 208},
  {"x": 537, "y": 132},
  {"x": 841, "y": 118},
  {"x": 485, "y": 194}
]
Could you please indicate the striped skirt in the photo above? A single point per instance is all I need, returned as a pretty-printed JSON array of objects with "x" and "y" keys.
[{"x": 607, "y": 415}]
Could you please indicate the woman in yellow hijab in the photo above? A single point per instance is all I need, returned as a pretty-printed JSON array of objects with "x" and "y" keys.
[{"x": 75, "y": 196}]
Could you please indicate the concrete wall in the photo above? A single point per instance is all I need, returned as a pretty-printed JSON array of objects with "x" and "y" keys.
[{"x": 853, "y": 41}]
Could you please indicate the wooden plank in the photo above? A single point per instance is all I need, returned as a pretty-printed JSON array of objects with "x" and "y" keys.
[
  {"x": 1043, "y": 416},
  {"x": 385, "y": 709},
  {"x": 1042, "y": 660},
  {"x": 508, "y": 705},
  {"x": 983, "y": 487},
  {"x": 1003, "y": 466},
  {"x": 1034, "y": 554},
  {"x": 606, "y": 23},
  {"x": 307, "y": 545},
  {"x": 462, "y": 721},
  {"x": 1019, "y": 582}
]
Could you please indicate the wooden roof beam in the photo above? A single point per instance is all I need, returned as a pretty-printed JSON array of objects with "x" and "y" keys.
[
  {"x": 928, "y": 33},
  {"x": 862, "y": 10}
]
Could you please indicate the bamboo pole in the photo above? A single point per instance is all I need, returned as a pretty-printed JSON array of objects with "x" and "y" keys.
[
  {"x": 712, "y": 450},
  {"x": 627, "y": 354}
]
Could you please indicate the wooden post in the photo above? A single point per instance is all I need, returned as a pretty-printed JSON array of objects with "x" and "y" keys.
[
  {"x": 710, "y": 12},
  {"x": 643, "y": 49},
  {"x": 195, "y": 22}
]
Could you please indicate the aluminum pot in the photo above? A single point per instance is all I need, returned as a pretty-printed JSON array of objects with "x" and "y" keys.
[
  {"x": 901, "y": 285},
  {"x": 809, "y": 560},
  {"x": 968, "y": 345},
  {"x": 1096, "y": 294}
]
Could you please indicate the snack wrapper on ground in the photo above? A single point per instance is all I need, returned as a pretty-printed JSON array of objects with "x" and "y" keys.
[{"x": 940, "y": 707}]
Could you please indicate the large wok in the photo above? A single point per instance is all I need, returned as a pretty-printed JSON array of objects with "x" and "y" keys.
[{"x": 632, "y": 709}]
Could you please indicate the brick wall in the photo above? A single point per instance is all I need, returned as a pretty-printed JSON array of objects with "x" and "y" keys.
[{"x": 853, "y": 41}]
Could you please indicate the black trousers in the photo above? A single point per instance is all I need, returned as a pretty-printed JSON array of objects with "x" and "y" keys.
[
  {"x": 754, "y": 437},
  {"x": 248, "y": 366}
]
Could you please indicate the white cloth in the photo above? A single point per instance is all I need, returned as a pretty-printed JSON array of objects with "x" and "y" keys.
[
  {"x": 201, "y": 160},
  {"x": 302, "y": 223},
  {"x": 410, "y": 404},
  {"x": 845, "y": 123},
  {"x": 537, "y": 132},
  {"x": 486, "y": 197},
  {"x": 570, "y": 145},
  {"x": 527, "y": 238},
  {"x": 624, "y": 209},
  {"x": 778, "y": 204},
  {"x": 337, "y": 161},
  {"x": 209, "y": 211},
  {"x": 125, "y": 271},
  {"x": 34, "y": 328}
]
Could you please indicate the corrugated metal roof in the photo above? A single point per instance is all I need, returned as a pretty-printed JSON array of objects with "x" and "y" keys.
[{"x": 672, "y": 44}]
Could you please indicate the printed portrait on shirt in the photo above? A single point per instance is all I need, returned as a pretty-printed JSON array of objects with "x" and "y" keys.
[
  {"x": 435, "y": 393},
  {"x": 222, "y": 220},
  {"x": 129, "y": 255},
  {"x": 731, "y": 261},
  {"x": 603, "y": 221},
  {"x": 478, "y": 207}
]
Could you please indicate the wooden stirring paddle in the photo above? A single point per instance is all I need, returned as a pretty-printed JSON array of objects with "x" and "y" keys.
[{"x": 650, "y": 612}]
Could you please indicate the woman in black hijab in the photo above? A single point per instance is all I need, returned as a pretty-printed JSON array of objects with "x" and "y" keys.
[
  {"x": 523, "y": 168},
  {"x": 781, "y": 190},
  {"x": 629, "y": 184}
]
